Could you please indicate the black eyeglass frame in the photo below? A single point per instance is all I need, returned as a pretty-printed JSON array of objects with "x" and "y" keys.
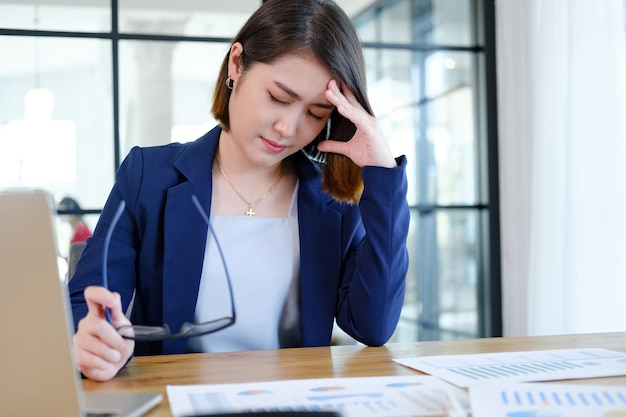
[{"x": 141, "y": 333}]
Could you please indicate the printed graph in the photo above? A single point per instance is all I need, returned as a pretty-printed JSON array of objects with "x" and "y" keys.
[
  {"x": 353, "y": 397},
  {"x": 547, "y": 400},
  {"x": 551, "y": 365}
]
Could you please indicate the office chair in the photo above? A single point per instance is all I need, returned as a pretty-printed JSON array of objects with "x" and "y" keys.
[{"x": 76, "y": 249}]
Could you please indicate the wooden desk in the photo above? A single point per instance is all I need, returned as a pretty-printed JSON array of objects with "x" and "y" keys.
[{"x": 154, "y": 373}]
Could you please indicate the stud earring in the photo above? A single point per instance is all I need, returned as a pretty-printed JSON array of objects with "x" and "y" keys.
[{"x": 230, "y": 83}]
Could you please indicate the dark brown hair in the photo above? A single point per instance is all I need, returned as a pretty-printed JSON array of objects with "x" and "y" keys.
[{"x": 322, "y": 29}]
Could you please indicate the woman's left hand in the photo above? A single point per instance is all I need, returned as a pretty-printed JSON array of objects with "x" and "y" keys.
[{"x": 368, "y": 146}]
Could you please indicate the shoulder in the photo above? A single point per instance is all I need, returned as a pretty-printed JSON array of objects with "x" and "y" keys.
[
  {"x": 167, "y": 156},
  {"x": 172, "y": 151},
  {"x": 154, "y": 168}
]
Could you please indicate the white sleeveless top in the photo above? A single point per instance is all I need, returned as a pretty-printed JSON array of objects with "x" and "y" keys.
[{"x": 262, "y": 255}]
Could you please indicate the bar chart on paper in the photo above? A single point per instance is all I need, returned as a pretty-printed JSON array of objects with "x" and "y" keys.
[
  {"x": 543, "y": 365},
  {"x": 416, "y": 396},
  {"x": 547, "y": 400}
]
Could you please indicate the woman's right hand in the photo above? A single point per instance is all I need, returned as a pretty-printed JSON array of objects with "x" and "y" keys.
[{"x": 99, "y": 349}]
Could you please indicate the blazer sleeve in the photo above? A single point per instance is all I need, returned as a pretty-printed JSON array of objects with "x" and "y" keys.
[
  {"x": 371, "y": 294},
  {"x": 121, "y": 254}
]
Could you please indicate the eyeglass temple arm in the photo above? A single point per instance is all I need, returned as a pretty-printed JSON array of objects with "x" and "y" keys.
[
  {"x": 196, "y": 202},
  {"x": 105, "y": 255}
]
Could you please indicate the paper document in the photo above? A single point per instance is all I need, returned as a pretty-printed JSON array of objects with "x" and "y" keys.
[
  {"x": 352, "y": 397},
  {"x": 541, "y": 365},
  {"x": 547, "y": 400}
]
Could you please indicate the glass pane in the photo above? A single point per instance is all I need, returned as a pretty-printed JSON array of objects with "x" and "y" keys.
[
  {"x": 185, "y": 17},
  {"x": 408, "y": 329},
  {"x": 459, "y": 257},
  {"x": 445, "y": 71},
  {"x": 83, "y": 16},
  {"x": 166, "y": 91},
  {"x": 395, "y": 23},
  {"x": 448, "y": 143},
  {"x": 59, "y": 136},
  {"x": 391, "y": 95},
  {"x": 425, "y": 103},
  {"x": 451, "y": 134},
  {"x": 442, "y": 300},
  {"x": 443, "y": 22},
  {"x": 438, "y": 22},
  {"x": 367, "y": 26}
]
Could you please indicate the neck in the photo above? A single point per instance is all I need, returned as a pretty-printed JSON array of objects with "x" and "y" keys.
[
  {"x": 249, "y": 203},
  {"x": 246, "y": 180}
]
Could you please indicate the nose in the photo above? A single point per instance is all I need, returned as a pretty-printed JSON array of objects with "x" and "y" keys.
[{"x": 287, "y": 123}]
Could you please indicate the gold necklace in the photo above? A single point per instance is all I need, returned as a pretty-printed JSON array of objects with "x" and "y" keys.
[{"x": 250, "y": 212}]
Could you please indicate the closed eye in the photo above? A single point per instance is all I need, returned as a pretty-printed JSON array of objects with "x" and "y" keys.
[
  {"x": 316, "y": 117},
  {"x": 277, "y": 101},
  {"x": 285, "y": 103}
]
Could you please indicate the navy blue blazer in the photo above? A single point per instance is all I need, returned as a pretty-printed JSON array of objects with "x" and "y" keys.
[{"x": 353, "y": 259}]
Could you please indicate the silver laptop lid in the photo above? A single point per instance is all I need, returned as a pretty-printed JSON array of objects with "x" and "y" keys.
[{"x": 37, "y": 373}]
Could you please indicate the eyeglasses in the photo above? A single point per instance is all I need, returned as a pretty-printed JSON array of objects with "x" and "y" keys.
[{"x": 157, "y": 333}]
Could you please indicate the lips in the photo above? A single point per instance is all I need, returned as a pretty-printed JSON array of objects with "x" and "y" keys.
[{"x": 272, "y": 146}]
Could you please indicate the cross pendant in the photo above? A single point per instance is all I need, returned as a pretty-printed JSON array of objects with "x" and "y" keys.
[{"x": 250, "y": 212}]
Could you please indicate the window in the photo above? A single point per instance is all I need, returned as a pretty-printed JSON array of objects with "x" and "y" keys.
[
  {"x": 426, "y": 64},
  {"x": 109, "y": 75}
]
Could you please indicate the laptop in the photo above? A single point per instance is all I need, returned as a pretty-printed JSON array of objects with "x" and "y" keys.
[{"x": 37, "y": 373}]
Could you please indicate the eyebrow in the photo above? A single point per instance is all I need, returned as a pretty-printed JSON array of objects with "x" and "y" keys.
[{"x": 295, "y": 95}]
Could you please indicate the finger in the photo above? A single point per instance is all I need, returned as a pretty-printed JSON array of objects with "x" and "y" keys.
[
  {"x": 90, "y": 360},
  {"x": 117, "y": 314},
  {"x": 94, "y": 345},
  {"x": 348, "y": 95},
  {"x": 344, "y": 96},
  {"x": 98, "y": 337},
  {"x": 94, "y": 357},
  {"x": 335, "y": 96},
  {"x": 104, "y": 373},
  {"x": 333, "y": 146},
  {"x": 99, "y": 298},
  {"x": 98, "y": 375},
  {"x": 346, "y": 104}
]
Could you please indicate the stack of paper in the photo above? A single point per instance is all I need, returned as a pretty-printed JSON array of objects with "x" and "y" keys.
[
  {"x": 499, "y": 383},
  {"x": 498, "y": 386}
]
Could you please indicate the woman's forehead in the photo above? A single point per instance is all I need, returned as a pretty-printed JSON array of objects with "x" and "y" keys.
[{"x": 299, "y": 74}]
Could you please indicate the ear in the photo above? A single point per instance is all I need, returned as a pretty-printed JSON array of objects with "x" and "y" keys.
[{"x": 234, "y": 63}]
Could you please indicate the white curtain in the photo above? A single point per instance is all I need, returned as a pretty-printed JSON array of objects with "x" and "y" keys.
[{"x": 562, "y": 147}]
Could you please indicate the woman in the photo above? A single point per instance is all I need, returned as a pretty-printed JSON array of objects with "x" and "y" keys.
[
  {"x": 302, "y": 246},
  {"x": 80, "y": 230}
]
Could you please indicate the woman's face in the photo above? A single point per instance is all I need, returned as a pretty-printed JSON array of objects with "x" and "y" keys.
[{"x": 276, "y": 109}]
